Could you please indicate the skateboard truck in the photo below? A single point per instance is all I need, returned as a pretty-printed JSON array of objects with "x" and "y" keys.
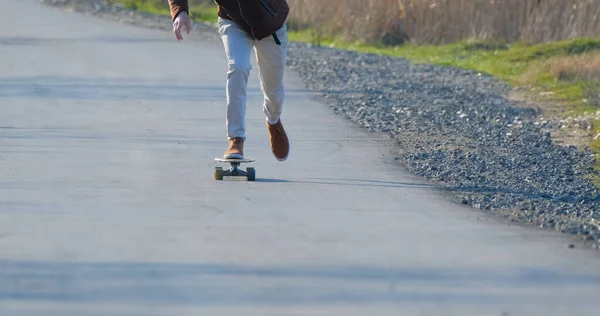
[{"x": 234, "y": 170}]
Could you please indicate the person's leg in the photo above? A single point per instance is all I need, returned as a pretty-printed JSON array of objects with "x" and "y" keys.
[
  {"x": 271, "y": 58},
  {"x": 238, "y": 47}
]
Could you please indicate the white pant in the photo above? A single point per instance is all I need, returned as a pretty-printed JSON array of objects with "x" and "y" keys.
[{"x": 270, "y": 59}]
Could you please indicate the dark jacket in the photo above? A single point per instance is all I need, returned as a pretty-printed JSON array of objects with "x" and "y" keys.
[{"x": 259, "y": 18}]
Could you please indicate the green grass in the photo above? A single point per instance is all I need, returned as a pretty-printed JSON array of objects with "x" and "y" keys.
[
  {"x": 198, "y": 13},
  {"x": 509, "y": 62}
]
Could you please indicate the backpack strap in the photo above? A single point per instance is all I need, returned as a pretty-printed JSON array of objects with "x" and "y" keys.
[{"x": 276, "y": 39}]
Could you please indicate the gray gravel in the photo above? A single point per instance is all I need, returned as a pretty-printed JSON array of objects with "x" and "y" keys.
[{"x": 454, "y": 127}]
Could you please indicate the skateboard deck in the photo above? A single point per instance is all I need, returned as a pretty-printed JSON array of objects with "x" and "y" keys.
[
  {"x": 235, "y": 160},
  {"x": 234, "y": 170}
]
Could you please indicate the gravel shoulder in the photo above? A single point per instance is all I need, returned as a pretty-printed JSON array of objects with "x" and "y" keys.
[{"x": 453, "y": 127}]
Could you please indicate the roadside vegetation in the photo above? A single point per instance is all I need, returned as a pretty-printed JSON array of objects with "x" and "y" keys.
[
  {"x": 551, "y": 48},
  {"x": 548, "y": 47}
]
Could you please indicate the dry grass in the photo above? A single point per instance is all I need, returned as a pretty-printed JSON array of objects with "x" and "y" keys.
[
  {"x": 571, "y": 67},
  {"x": 585, "y": 70},
  {"x": 582, "y": 69},
  {"x": 554, "y": 20},
  {"x": 444, "y": 21},
  {"x": 584, "y": 66}
]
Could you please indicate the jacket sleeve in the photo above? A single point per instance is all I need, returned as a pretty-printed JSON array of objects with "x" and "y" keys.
[{"x": 178, "y": 6}]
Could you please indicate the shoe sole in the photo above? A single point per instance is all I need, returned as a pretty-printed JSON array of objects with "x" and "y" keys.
[
  {"x": 233, "y": 156},
  {"x": 282, "y": 159}
]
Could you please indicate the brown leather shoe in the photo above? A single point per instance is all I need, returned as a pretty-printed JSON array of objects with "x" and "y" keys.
[
  {"x": 280, "y": 145},
  {"x": 235, "y": 150}
]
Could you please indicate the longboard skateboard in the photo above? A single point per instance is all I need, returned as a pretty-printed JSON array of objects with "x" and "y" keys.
[{"x": 235, "y": 171}]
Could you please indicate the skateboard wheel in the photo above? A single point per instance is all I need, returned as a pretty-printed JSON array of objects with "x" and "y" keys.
[
  {"x": 218, "y": 173},
  {"x": 251, "y": 174}
]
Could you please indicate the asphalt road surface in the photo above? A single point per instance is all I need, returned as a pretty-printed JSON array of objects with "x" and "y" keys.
[{"x": 108, "y": 204}]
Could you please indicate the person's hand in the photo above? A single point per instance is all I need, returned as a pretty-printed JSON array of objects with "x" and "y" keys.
[{"x": 181, "y": 20}]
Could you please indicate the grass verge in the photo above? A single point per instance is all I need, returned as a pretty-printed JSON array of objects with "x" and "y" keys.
[{"x": 198, "y": 13}]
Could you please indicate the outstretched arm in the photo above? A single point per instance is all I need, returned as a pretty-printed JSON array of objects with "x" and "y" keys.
[
  {"x": 180, "y": 16},
  {"x": 178, "y": 6}
]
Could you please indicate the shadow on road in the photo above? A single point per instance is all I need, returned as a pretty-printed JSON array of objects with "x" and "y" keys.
[
  {"x": 405, "y": 185},
  {"x": 211, "y": 284},
  {"x": 346, "y": 182},
  {"x": 38, "y": 41},
  {"x": 137, "y": 89}
]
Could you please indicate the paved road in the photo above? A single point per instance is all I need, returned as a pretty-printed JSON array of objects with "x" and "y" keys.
[{"x": 108, "y": 206}]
